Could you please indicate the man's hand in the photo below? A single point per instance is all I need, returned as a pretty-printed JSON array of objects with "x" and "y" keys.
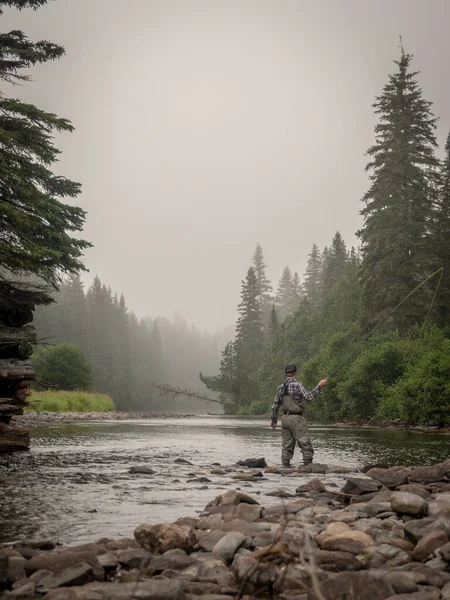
[
  {"x": 322, "y": 383},
  {"x": 274, "y": 425}
]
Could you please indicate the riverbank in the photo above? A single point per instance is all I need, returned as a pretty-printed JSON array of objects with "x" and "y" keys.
[
  {"x": 384, "y": 534},
  {"x": 392, "y": 425},
  {"x": 42, "y": 419}
]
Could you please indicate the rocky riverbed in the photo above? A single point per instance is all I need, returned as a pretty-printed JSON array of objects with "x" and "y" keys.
[
  {"x": 384, "y": 533},
  {"x": 41, "y": 419}
]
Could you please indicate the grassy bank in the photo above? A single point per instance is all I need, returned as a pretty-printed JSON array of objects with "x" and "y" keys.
[{"x": 64, "y": 401}]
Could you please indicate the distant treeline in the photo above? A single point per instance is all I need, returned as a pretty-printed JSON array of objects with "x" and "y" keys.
[
  {"x": 405, "y": 237},
  {"x": 127, "y": 354}
]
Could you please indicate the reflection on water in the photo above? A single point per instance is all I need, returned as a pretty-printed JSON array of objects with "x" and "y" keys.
[{"x": 74, "y": 484}]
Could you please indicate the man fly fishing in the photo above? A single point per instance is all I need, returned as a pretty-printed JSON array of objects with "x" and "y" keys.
[{"x": 293, "y": 397}]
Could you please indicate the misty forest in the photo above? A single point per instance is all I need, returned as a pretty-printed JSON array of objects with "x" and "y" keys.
[
  {"x": 315, "y": 319},
  {"x": 343, "y": 306}
]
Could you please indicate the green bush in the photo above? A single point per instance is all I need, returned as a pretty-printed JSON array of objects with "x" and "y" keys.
[
  {"x": 422, "y": 395},
  {"x": 373, "y": 371},
  {"x": 65, "y": 366},
  {"x": 69, "y": 401}
]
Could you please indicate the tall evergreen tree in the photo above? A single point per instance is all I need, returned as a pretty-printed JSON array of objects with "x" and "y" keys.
[
  {"x": 441, "y": 236},
  {"x": 334, "y": 266},
  {"x": 313, "y": 276},
  {"x": 249, "y": 333},
  {"x": 36, "y": 227},
  {"x": 399, "y": 203},
  {"x": 273, "y": 323},
  {"x": 285, "y": 299},
  {"x": 265, "y": 289},
  {"x": 296, "y": 290}
]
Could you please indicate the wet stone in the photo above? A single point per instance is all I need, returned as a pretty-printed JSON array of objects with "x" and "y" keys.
[
  {"x": 358, "y": 486},
  {"x": 142, "y": 469},
  {"x": 254, "y": 463},
  {"x": 165, "y": 536},
  {"x": 410, "y": 504},
  {"x": 72, "y": 576}
]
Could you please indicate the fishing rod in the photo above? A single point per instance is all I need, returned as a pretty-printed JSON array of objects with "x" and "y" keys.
[{"x": 390, "y": 313}]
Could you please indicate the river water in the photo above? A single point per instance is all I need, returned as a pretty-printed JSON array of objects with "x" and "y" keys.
[{"x": 74, "y": 485}]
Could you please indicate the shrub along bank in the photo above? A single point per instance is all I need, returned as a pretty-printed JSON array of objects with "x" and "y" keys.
[{"x": 70, "y": 401}]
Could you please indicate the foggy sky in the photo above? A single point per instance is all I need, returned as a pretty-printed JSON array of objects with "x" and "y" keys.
[{"x": 205, "y": 126}]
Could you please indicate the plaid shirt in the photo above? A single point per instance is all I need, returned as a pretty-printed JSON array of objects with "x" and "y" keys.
[{"x": 296, "y": 390}]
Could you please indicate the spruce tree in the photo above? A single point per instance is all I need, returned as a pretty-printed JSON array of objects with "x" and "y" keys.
[
  {"x": 296, "y": 291},
  {"x": 36, "y": 226},
  {"x": 273, "y": 323},
  {"x": 285, "y": 298},
  {"x": 249, "y": 333},
  {"x": 334, "y": 266},
  {"x": 313, "y": 277},
  {"x": 441, "y": 232},
  {"x": 265, "y": 289},
  {"x": 396, "y": 245}
]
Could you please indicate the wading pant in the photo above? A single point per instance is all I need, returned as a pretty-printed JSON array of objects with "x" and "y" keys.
[{"x": 294, "y": 429}]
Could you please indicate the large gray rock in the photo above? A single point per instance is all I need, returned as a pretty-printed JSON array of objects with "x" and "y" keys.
[
  {"x": 227, "y": 547},
  {"x": 401, "y": 583},
  {"x": 358, "y": 486},
  {"x": 416, "y": 529},
  {"x": 165, "y": 536},
  {"x": 389, "y": 477},
  {"x": 357, "y": 586},
  {"x": 173, "y": 560},
  {"x": 415, "y": 488},
  {"x": 208, "y": 539},
  {"x": 337, "y": 561},
  {"x": 444, "y": 551},
  {"x": 253, "y": 572},
  {"x": 153, "y": 589},
  {"x": 440, "y": 503},
  {"x": 409, "y": 504},
  {"x": 212, "y": 570},
  {"x": 355, "y": 542},
  {"x": 72, "y": 576},
  {"x": 245, "y": 512},
  {"x": 231, "y": 497},
  {"x": 428, "y": 544},
  {"x": 133, "y": 558},
  {"x": 16, "y": 569},
  {"x": 63, "y": 559},
  {"x": 428, "y": 474}
]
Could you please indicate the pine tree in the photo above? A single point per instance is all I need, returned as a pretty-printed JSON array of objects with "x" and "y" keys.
[
  {"x": 296, "y": 290},
  {"x": 78, "y": 313},
  {"x": 285, "y": 297},
  {"x": 313, "y": 277},
  {"x": 441, "y": 232},
  {"x": 273, "y": 323},
  {"x": 334, "y": 266},
  {"x": 35, "y": 225},
  {"x": 249, "y": 333},
  {"x": 397, "y": 252},
  {"x": 265, "y": 288}
]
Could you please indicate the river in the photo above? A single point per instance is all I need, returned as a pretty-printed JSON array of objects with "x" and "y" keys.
[{"x": 74, "y": 485}]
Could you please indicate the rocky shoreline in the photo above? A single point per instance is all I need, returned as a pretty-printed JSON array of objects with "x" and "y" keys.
[
  {"x": 385, "y": 534},
  {"x": 41, "y": 419}
]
